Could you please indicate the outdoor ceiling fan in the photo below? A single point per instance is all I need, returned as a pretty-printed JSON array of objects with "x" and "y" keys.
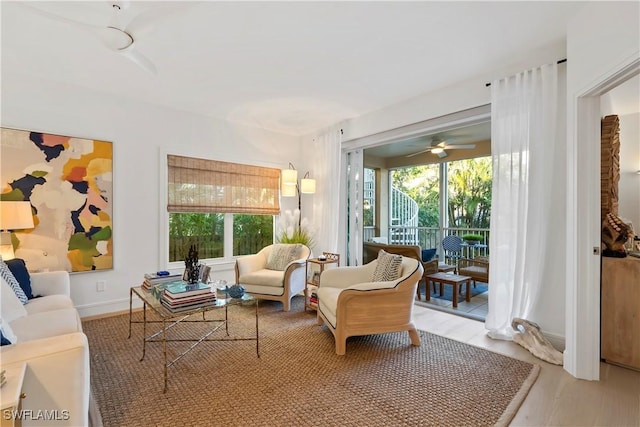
[
  {"x": 438, "y": 147},
  {"x": 115, "y": 35}
]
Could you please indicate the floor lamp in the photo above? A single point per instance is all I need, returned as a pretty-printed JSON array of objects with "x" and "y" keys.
[
  {"x": 13, "y": 216},
  {"x": 291, "y": 188}
]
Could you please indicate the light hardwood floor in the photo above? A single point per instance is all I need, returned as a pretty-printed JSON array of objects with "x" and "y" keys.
[{"x": 557, "y": 398}]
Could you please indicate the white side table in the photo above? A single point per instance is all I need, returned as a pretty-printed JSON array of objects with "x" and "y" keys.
[{"x": 11, "y": 394}]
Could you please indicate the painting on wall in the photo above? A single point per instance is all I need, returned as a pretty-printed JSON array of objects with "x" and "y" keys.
[{"x": 69, "y": 183}]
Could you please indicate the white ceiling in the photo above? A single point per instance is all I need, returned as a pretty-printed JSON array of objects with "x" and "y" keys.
[{"x": 293, "y": 67}]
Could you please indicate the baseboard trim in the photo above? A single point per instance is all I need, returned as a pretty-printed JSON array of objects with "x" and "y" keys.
[{"x": 106, "y": 308}]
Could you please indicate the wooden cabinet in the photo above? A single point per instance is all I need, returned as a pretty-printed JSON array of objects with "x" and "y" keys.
[{"x": 620, "y": 311}]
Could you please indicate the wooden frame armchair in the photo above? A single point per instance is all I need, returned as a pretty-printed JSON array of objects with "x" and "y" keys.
[
  {"x": 429, "y": 267},
  {"x": 253, "y": 272},
  {"x": 350, "y": 304},
  {"x": 476, "y": 268}
]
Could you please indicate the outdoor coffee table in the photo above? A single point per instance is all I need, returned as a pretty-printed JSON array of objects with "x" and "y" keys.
[
  {"x": 454, "y": 280},
  {"x": 169, "y": 319}
]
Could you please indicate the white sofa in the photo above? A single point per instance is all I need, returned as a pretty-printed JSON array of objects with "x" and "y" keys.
[
  {"x": 47, "y": 335},
  {"x": 273, "y": 284}
]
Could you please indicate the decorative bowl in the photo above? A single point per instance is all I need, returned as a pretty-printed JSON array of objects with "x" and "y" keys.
[{"x": 236, "y": 291}]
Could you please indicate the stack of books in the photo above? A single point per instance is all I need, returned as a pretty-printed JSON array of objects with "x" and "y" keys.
[
  {"x": 313, "y": 296},
  {"x": 153, "y": 279},
  {"x": 180, "y": 296}
]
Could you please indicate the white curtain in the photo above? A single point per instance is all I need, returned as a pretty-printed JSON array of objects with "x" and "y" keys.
[
  {"x": 354, "y": 178},
  {"x": 326, "y": 149},
  {"x": 527, "y": 118}
]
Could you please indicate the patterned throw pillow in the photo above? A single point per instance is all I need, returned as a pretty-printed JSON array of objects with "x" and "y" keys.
[
  {"x": 11, "y": 280},
  {"x": 282, "y": 254},
  {"x": 19, "y": 270},
  {"x": 388, "y": 267}
]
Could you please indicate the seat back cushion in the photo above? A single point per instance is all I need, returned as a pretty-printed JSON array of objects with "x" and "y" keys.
[
  {"x": 282, "y": 254},
  {"x": 19, "y": 270},
  {"x": 388, "y": 267},
  {"x": 8, "y": 277},
  {"x": 10, "y": 306},
  {"x": 428, "y": 254}
]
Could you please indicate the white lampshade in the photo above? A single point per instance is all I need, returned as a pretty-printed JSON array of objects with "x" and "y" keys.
[
  {"x": 437, "y": 150},
  {"x": 308, "y": 186},
  {"x": 289, "y": 176},
  {"x": 15, "y": 215},
  {"x": 288, "y": 190}
]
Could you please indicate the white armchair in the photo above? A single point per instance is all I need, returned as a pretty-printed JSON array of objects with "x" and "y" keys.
[
  {"x": 350, "y": 303},
  {"x": 48, "y": 337},
  {"x": 267, "y": 275}
]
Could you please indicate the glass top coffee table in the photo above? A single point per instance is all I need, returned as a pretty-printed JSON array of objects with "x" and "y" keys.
[{"x": 169, "y": 319}]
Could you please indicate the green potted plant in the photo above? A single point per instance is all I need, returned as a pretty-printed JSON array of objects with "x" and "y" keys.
[
  {"x": 472, "y": 239},
  {"x": 292, "y": 229}
]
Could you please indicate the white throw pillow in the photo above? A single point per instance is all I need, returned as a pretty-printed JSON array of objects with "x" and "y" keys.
[
  {"x": 387, "y": 268},
  {"x": 10, "y": 305},
  {"x": 7, "y": 332},
  {"x": 282, "y": 254}
]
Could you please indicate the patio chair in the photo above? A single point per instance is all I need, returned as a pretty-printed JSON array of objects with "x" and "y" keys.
[
  {"x": 476, "y": 268},
  {"x": 452, "y": 246}
]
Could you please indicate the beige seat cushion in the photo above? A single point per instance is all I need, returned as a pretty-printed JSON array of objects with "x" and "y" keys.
[
  {"x": 328, "y": 300},
  {"x": 474, "y": 269},
  {"x": 264, "y": 277}
]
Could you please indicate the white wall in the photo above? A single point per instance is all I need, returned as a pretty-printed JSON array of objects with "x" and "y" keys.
[
  {"x": 139, "y": 132},
  {"x": 465, "y": 95},
  {"x": 602, "y": 40}
]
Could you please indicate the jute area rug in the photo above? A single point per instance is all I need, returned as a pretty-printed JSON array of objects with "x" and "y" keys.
[{"x": 298, "y": 380}]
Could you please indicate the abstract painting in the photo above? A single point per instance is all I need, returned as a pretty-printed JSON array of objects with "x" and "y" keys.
[{"x": 69, "y": 183}]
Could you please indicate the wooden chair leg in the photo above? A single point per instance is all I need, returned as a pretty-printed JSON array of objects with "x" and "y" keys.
[{"x": 414, "y": 336}]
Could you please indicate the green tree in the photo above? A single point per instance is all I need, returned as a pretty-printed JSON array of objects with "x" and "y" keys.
[
  {"x": 205, "y": 230},
  {"x": 469, "y": 183},
  {"x": 421, "y": 184},
  {"x": 470, "y": 193},
  {"x": 251, "y": 233}
]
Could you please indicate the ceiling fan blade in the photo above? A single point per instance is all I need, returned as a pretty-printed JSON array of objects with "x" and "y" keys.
[
  {"x": 56, "y": 17},
  {"x": 420, "y": 152},
  {"x": 138, "y": 58},
  {"x": 465, "y": 146}
]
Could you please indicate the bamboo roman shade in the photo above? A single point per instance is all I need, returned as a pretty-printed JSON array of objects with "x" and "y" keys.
[{"x": 201, "y": 185}]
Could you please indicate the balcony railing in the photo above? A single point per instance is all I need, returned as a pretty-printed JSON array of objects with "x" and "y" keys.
[
  {"x": 404, "y": 218},
  {"x": 431, "y": 237}
]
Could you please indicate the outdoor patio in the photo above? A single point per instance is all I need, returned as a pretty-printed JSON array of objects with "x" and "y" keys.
[{"x": 476, "y": 308}]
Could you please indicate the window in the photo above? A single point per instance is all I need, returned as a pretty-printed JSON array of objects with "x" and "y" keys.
[
  {"x": 225, "y": 209},
  {"x": 369, "y": 198}
]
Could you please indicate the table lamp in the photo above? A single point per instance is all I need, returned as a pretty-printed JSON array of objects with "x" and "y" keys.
[{"x": 13, "y": 216}]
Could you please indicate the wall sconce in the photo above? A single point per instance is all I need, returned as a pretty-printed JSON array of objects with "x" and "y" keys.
[
  {"x": 13, "y": 216},
  {"x": 291, "y": 188}
]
